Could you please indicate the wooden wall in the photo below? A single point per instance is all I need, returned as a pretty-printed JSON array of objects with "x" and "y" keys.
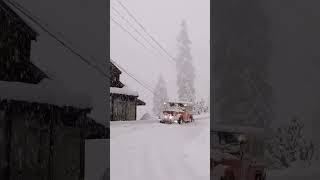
[
  {"x": 123, "y": 108},
  {"x": 41, "y": 147}
]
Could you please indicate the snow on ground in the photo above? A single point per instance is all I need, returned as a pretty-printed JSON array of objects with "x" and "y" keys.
[
  {"x": 202, "y": 116},
  {"x": 147, "y": 150},
  {"x": 297, "y": 172}
]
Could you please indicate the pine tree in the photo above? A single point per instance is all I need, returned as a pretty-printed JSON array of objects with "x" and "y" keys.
[
  {"x": 185, "y": 69},
  {"x": 160, "y": 96},
  {"x": 242, "y": 93}
]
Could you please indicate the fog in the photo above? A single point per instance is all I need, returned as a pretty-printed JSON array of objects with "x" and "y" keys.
[
  {"x": 295, "y": 67},
  {"x": 162, "y": 20}
]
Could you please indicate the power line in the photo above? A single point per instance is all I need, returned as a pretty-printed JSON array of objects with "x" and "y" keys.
[
  {"x": 124, "y": 70},
  {"x": 144, "y": 29},
  {"x": 122, "y": 17},
  {"x": 19, "y": 8},
  {"x": 149, "y": 89},
  {"x": 128, "y": 32},
  {"x": 70, "y": 48},
  {"x": 47, "y": 26}
]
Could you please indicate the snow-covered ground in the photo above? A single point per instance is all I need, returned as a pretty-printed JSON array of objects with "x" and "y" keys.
[
  {"x": 296, "y": 172},
  {"x": 149, "y": 150}
]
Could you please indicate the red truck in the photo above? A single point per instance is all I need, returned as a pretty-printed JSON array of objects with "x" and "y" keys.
[
  {"x": 238, "y": 152},
  {"x": 177, "y": 112}
]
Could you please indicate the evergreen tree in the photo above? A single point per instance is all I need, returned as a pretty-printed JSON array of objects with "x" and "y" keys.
[
  {"x": 160, "y": 96},
  {"x": 242, "y": 94},
  {"x": 185, "y": 69}
]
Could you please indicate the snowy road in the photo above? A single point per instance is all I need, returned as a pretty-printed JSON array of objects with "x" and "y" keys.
[{"x": 148, "y": 150}]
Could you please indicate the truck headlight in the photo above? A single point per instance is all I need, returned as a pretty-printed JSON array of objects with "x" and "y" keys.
[
  {"x": 165, "y": 116},
  {"x": 171, "y": 117}
]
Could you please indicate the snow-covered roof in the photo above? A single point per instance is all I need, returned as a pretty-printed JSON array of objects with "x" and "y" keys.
[
  {"x": 181, "y": 102},
  {"x": 47, "y": 92},
  {"x": 125, "y": 91},
  {"x": 174, "y": 108}
]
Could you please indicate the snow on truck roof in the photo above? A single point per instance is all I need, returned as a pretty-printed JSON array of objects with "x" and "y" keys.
[
  {"x": 180, "y": 102},
  {"x": 46, "y": 92},
  {"x": 175, "y": 109},
  {"x": 216, "y": 127},
  {"x": 125, "y": 91}
]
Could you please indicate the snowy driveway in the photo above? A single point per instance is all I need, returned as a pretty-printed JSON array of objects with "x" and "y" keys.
[{"x": 148, "y": 150}]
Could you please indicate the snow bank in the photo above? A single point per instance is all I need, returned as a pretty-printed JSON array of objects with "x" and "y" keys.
[
  {"x": 295, "y": 173},
  {"x": 147, "y": 116},
  {"x": 124, "y": 91},
  {"x": 48, "y": 92},
  {"x": 197, "y": 151},
  {"x": 202, "y": 116}
]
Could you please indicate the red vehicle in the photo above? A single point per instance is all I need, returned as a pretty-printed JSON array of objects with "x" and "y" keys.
[
  {"x": 177, "y": 112},
  {"x": 239, "y": 151}
]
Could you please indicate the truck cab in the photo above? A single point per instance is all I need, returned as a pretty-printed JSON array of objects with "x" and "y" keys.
[
  {"x": 239, "y": 151},
  {"x": 177, "y": 112}
]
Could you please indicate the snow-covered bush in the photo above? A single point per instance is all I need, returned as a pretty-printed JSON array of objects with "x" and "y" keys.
[
  {"x": 200, "y": 107},
  {"x": 288, "y": 146}
]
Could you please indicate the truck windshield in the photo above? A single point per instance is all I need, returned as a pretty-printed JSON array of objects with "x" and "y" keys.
[{"x": 228, "y": 138}]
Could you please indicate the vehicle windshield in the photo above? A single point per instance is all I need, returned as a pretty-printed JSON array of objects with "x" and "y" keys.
[
  {"x": 228, "y": 138},
  {"x": 169, "y": 112}
]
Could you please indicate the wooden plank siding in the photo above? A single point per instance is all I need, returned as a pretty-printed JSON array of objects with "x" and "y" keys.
[
  {"x": 123, "y": 107},
  {"x": 43, "y": 141}
]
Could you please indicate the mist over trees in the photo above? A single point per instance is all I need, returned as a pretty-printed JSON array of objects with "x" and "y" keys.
[
  {"x": 185, "y": 68},
  {"x": 242, "y": 94},
  {"x": 160, "y": 96}
]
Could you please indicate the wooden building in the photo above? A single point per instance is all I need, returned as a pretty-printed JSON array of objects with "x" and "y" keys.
[
  {"x": 123, "y": 101},
  {"x": 42, "y": 140},
  {"x": 15, "y": 48},
  {"x": 42, "y": 127}
]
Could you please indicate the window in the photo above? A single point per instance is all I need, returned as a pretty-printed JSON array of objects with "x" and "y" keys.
[{"x": 228, "y": 138}]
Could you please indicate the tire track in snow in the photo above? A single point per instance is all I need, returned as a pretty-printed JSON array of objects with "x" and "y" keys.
[{"x": 155, "y": 151}]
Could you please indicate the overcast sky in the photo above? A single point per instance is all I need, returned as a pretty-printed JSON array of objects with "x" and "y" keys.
[{"x": 162, "y": 20}]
